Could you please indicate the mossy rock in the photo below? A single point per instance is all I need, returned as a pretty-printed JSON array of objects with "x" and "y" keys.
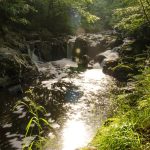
[
  {"x": 108, "y": 67},
  {"x": 128, "y": 59},
  {"x": 122, "y": 72},
  {"x": 15, "y": 67}
]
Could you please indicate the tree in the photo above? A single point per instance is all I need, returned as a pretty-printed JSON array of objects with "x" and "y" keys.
[
  {"x": 13, "y": 12},
  {"x": 133, "y": 16}
]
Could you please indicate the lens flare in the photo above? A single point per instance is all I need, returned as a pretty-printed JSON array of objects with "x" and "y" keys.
[{"x": 78, "y": 51}]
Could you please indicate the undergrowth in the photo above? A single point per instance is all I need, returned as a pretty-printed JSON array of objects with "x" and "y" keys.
[
  {"x": 129, "y": 128},
  {"x": 34, "y": 137}
]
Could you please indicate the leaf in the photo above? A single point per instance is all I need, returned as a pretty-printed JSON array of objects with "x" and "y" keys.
[
  {"x": 46, "y": 122},
  {"x": 29, "y": 126}
]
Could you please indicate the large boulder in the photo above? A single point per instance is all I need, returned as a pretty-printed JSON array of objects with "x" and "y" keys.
[
  {"x": 53, "y": 49},
  {"x": 93, "y": 44},
  {"x": 99, "y": 58},
  {"x": 107, "y": 58},
  {"x": 119, "y": 71},
  {"x": 15, "y": 67}
]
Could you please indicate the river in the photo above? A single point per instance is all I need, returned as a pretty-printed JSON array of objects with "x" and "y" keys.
[{"x": 80, "y": 105}]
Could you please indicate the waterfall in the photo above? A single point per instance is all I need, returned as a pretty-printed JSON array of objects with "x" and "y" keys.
[
  {"x": 34, "y": 57},
  {"x": 70, "y": 46},
  {"x": 29, "y": 50},
  {"x": 32, "y": 54}
]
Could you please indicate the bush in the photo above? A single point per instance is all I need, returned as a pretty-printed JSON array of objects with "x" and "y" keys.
[{"x": 130, "y": 128}]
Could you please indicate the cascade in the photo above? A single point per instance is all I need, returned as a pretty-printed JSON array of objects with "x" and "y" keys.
[
  {"x": 70, "y": 46},
  {"x": 32, "y": 55}
]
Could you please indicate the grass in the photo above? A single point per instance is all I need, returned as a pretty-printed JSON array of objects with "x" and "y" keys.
[
  {"x": 36, "y": 125},
  {"x": 129, "y": 128}
]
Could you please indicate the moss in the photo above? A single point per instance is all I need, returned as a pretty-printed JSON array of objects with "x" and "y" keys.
[
  {"x": 122, "y": 72},
  {"x": 128, "y": 59},
  {"x": 122, "y": 67}
]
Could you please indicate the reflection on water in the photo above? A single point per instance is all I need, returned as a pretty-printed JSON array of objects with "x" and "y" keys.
[
  {"x": 94, "y": 74},
  {"x": 75, "y": 135},
  {"x": 76, "y": 106},
  {"x": 86, "y": 111}
]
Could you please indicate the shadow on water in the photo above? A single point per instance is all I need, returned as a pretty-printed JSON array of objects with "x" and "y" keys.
[
  {"x": 13, "y": 122},
  {"x": 76, "y": 104}
]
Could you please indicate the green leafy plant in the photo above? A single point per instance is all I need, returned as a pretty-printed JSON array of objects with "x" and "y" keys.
[
  {"x": 133, "y": 16},
  {"x": 129, "y": 129},
  {"x": 37, "y": 122}
]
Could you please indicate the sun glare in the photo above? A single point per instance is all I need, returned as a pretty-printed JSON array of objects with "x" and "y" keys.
[
  {"x": 94, "y": 74},
  {"x": 75, "y": 135}
]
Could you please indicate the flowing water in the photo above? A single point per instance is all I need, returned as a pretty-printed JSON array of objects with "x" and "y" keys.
[
  {"x": 78, "y": 103},
  {"x": 88, "y": 103}
]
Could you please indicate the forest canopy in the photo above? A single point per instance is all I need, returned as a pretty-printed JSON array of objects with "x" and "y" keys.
[{"x": 66, "y": 16}]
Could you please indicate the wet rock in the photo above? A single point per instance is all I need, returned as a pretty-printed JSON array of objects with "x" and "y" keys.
[
  {"x": 93, "y": 44},
  {"x": 85, "y": 61},
  {"x": 32, "y": 37},
  {"x": 53, "y": 49},
  {"x": 108, "y": 67},
  {"x": 15, "y": 67},
  {"x": 99, "y": 58},
  {"x": 80, "y": 47},
  {"x": 107, "y": 58}
]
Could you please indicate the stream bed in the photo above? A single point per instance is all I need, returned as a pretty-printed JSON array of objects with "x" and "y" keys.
[{"x": 77, "y": 104}]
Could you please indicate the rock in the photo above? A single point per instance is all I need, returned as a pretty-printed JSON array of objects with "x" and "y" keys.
[
  {"x": 122, "y": 72},
  {"x": 80, "y": 47},
  {"x": 85, "y": 61},
  {"x": 108, "y": 67},
  {"x": 16, "y": 89},
  {"x": 107, "y": 56},
  {"x": 115, "y": 43},
  {"x": 15, "y": 67},
  {"x": 5, "y": 81},
  {"x": 92, "y": 44},
  {"x": 99, "y": 58},
  {"x": 53, "y": 49},
  {"x": 119, "y": 71}
]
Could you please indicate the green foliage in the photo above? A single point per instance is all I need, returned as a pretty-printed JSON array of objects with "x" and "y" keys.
[
  {"x": 54, "y": 15},
  {"x": 68, "y": 15},
  {"x": 37, "y": 121},
  {"x": 118, "y": 136},
  {"x": 133, "y": 16},
  {"x": 14, "y": 12},
  {"x": 61, "y": 15},
  {"x": 130, "y": 127}
]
